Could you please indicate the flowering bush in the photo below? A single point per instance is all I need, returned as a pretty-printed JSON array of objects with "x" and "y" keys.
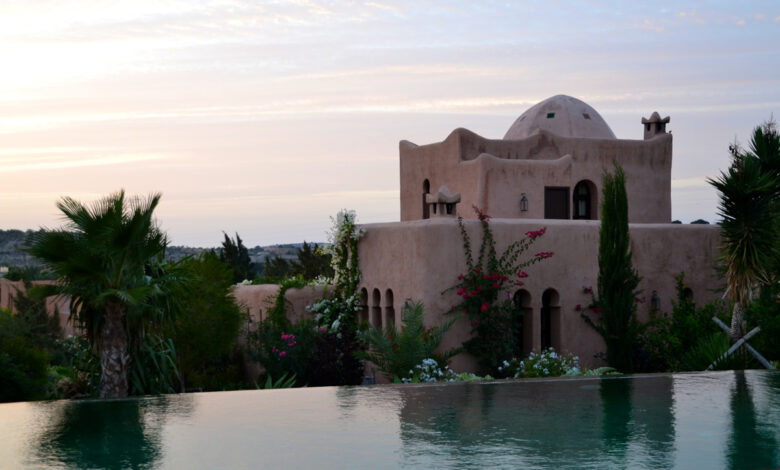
[
  {"x": 428, "y": 371},
  {"x": 484, "y": 290},
  {"x": 547, "y": 363},
  {"x": 331, "y": 313}
]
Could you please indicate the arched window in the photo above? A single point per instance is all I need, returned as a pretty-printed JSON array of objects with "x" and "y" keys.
[
  {"x": 376, "y": 309},
  {"x": 550, "y": 320},
  {"x": 524, "y": 324},
  {"x": 389, "y": 319},
  {"x": 584, "y": 198},
  {"x": 426, "y": 190}
]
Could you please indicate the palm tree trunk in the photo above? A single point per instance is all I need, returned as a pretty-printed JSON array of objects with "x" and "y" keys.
[
  {"x": 114, "y": 358},
  {"x": 737, "y": 322}
]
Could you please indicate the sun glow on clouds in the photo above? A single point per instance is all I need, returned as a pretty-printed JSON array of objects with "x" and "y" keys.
[{"x": 253, "y": 115}]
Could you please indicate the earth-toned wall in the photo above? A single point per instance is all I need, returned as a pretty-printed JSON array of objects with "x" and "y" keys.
[
  {"x": 493, "y": 174},
  {"x": 420, "y": 261}
]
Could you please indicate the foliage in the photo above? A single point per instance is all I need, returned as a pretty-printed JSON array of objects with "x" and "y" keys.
[
  {"x": 108, "y": 261},
  {"x": 276, "y": 268},
  {"x": 750, "y": 208},
  {"x": 700, "y": 222},
  {"x": 284, "y": 349},
  {"x": 765, "y": 312},
  {"x": 710, "y": 349},
  {"x": 546, "y": 363},
  {"x": 335, "y": 359},
  {"x": 35, "y": 323},
  {"x": 343, "y": 249},
  {"x": 236, "y": 255},
  {"x": 495, "y": 318},
  {"x": 312, "y": 263},
  {"x": 617, "y": 280},
  {"x": 81, "y": 368},
  {"x": 206, "y": 332},
  {"x": 397, "y": 353},
  {"x": 667, "y": 337},
  {"x": 23, "y": 367},
  {"x": 154, "y": 369},
  {"x": 282, "y": 382},
  {"x": 331, "y": 313},
  {"x": 28, "y": 273}
]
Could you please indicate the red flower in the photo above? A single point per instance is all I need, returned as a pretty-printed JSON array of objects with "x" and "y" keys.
[
  {"x": 474, "y": 323},
  {"x": 496, "y": 285},
  {"x": 577, "y": 308},
  {"x": 597, "y": 310},
  {"x": 461, "y": 291},
  {"x": 519, "y": 283},
  {"x": 503, "y": 278},
  {"x": 533, "y": 234},
  {"x": 460, "y": 277},
  {"x": 474, "y": 292},
  {"x": 544, "y": 254},
  {"x": 485, "y": 277},
  {"x": 479, "y": 288},
  {"x": 485, "y": 307},
  {"x": 476, "y": 271},
  {"x": 521, "y": 274}
]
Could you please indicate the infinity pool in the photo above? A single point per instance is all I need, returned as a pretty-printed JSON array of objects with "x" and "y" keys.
[{"x": 703, "y": 420}]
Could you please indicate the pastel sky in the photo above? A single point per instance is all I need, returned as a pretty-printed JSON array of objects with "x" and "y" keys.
[{"x": 265, "y": 118}]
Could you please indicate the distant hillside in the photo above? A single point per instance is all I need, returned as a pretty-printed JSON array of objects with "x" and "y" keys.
[{"x": 12, "y": 243}]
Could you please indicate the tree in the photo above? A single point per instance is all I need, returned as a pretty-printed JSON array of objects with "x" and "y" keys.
[
  {"x": 750, "y": 228},
  {"x": 312, "y": 262},
  {"x": 205, "y": 333},
  {"x": 236, "y": 255},
  {"x": 107, "y": 259},
  {"x": 617, "y": 281},
  {"x": 277, "y": 267}
]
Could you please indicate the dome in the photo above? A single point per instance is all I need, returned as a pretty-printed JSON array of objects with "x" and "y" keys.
[{"x": 562, "y": 115}]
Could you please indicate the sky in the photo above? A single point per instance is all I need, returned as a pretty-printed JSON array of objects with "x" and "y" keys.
[{"x": 265, "y": 118}]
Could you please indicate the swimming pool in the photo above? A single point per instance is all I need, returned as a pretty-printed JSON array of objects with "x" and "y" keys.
[{"x": 702, "y": 420}]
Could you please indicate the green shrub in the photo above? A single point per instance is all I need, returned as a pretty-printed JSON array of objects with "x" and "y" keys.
[
  {"x": 546, "y": 363},
  {"x": 765, "y": 312},
  {"x": 154, "y": 370},
  {"x": 666, "y": 338},
  {"x": 710, "y": 349},
  {"x": 23, "y": 367},
  {"x": 206, "y": 333},
  {"x": 397, "y": 353}
]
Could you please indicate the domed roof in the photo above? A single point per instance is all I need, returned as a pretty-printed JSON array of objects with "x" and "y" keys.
[{"x": 562, "y": 115}]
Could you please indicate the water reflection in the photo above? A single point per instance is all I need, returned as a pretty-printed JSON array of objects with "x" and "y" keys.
[
  {"x": 108, "y": 434},
  {"x": 752, "y": 443}
]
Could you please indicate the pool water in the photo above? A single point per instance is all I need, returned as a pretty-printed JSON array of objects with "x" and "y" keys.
[{"x": 702, "y": 420}]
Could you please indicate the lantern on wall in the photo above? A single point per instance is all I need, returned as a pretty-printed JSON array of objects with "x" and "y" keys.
[{"x": 523, "y": 203}]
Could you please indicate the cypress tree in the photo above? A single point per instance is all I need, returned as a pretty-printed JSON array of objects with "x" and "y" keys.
[{"x": 618, "y": 280}]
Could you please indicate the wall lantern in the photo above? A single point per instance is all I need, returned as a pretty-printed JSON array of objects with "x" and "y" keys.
[
  {"x": 523, "y": 203},
  {"x": 655, "y": 302}
]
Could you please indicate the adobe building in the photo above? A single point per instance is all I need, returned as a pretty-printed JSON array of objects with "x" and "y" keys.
[{"x": 546, "y": 172}]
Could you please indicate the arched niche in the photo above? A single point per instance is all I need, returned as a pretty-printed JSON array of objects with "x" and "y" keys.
[
  {"x": 363, "y": 305},
  {"x": 550, "y": 321},
  {"x": 524, "y": 332},
  {"x": 389, "y": 317},
  {"x": 585, "y": 201},
  {"x": 376, "y": 309}
]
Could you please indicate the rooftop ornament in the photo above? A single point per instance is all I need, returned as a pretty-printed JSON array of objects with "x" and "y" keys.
[
  {"x": 442, "y": 202},
  {"x": 655, "y": 125}
]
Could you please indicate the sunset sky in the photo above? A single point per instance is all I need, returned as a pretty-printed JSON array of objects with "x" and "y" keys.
[{"x": 265, "y": 118}]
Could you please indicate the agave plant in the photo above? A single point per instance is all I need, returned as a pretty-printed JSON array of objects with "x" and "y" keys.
[{"x": 396, "y": 353}]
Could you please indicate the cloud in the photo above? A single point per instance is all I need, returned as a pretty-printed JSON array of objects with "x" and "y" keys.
[{"x": 12, "y": 165}]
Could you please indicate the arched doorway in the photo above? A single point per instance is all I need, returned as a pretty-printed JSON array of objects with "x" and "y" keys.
[
  {"x": 550, "y": 320},
  {"x": 524, "y": 324},
  {"x": 363, "y": 305},
  {"x": 584, "y": 199},
  {"x": 426, "y": 190}
]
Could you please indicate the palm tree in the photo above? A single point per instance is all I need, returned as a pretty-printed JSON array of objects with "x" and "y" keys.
[
  {"x": 750, "y": 229},
  {"x": 104, "y": 258}
]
